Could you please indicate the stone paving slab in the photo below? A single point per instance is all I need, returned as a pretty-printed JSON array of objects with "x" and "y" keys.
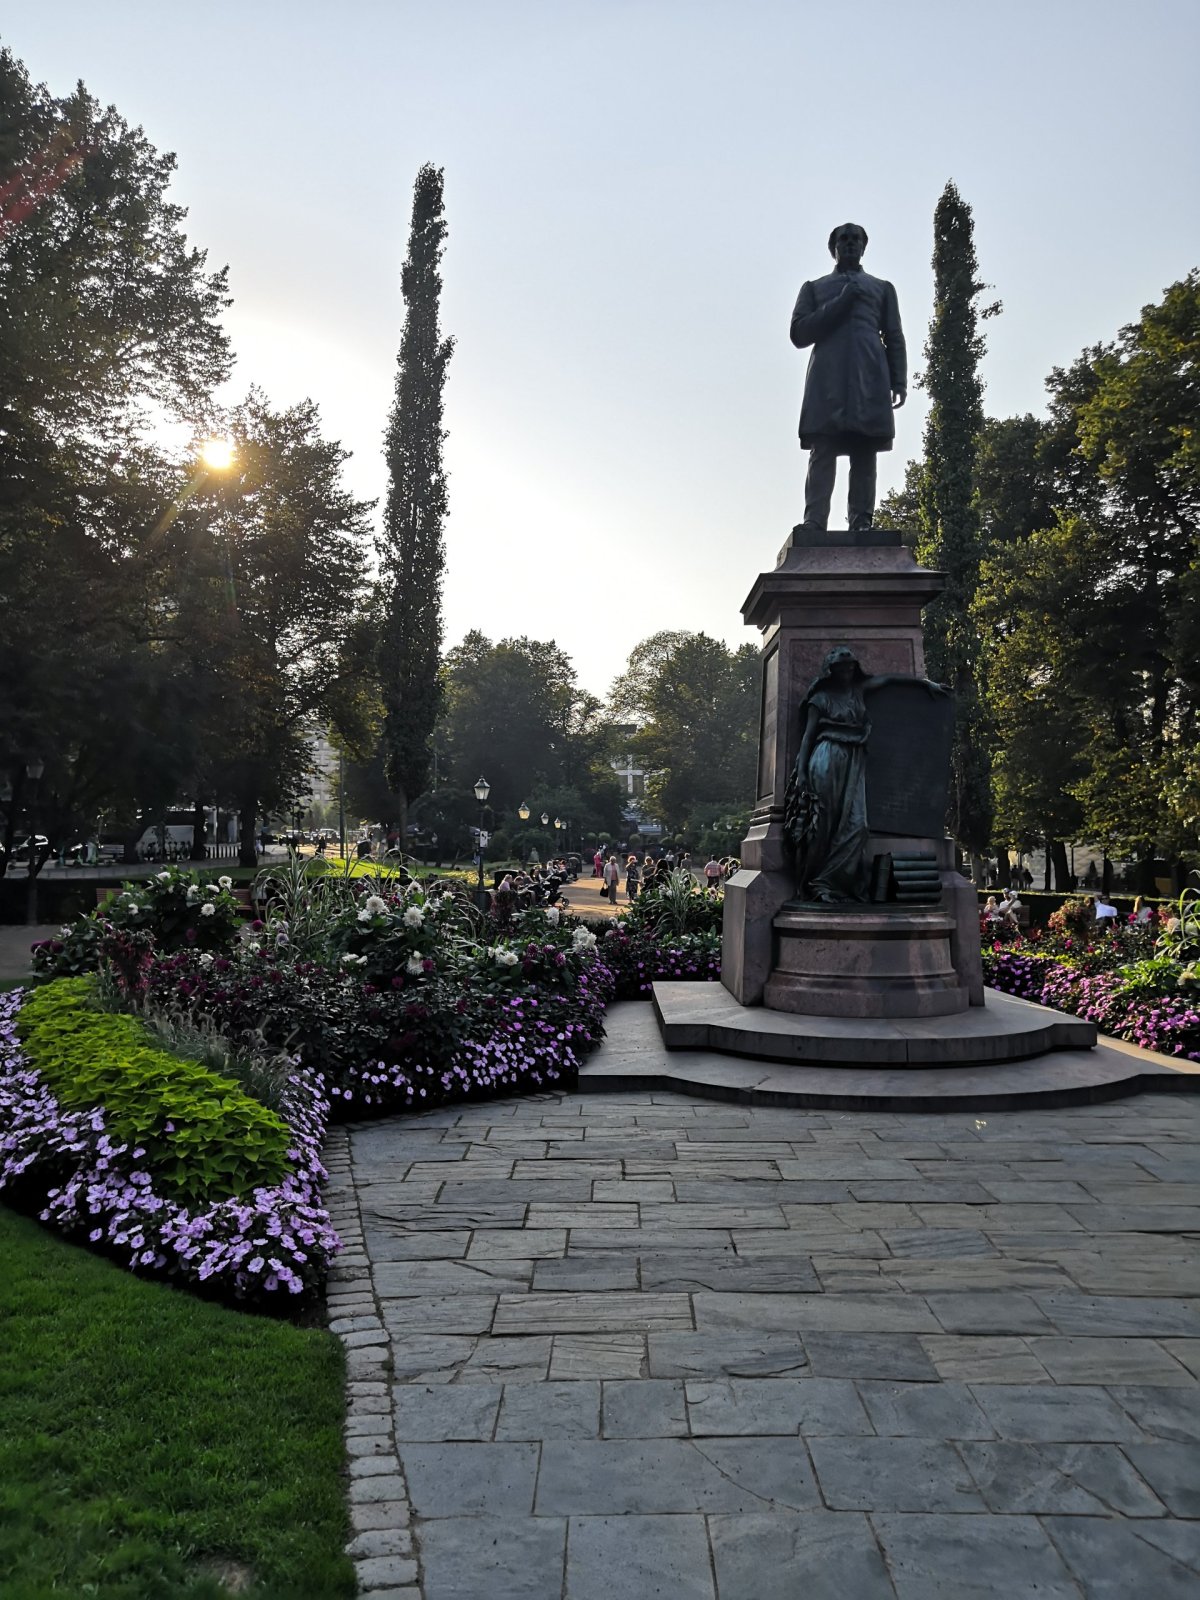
[{"x": 735, "y": 1352}]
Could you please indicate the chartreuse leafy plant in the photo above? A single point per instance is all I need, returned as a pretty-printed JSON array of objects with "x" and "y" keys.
[{"x": 199, "y": 1133}]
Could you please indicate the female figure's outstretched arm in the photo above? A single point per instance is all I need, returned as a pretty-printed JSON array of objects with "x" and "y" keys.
[{"x": 884, "y": 680}]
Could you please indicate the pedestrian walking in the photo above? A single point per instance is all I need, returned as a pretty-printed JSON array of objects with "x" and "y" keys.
[
  {"x": 633, "y": 877},
  {"x": 712, "y": 873},
  {"x": 612, "y": 876}
]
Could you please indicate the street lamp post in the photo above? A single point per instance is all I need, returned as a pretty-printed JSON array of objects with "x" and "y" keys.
[
  {"x": 33, "y": 771},
  {"x": 482, "y": 790},
  {"x": 559, "y": 825}
]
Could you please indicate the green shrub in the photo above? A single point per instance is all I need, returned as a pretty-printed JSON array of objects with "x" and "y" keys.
[
  {"x": 74, "y": 952},
  {"x": 203, "y": 1137},
  {"x": 671, "y": 906}
]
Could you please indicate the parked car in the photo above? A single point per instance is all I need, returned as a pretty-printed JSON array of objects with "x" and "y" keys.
[{"x": 21, "y": 850}]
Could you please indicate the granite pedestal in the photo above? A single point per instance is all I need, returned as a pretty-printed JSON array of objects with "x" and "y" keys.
[
  {"x": 870, "y": 961},
  {"x": 878, "y": 984},
  {"x": 864, "y": 590}
]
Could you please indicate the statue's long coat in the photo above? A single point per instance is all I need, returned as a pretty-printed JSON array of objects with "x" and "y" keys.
[{"x": 858, "y": 359}]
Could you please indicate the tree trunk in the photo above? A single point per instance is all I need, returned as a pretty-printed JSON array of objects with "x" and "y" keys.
[
  {"x": 16, "y": 789},
  {"x": 1004, "y": 873},
  {"x": 978, "y": 870},
  {"x": 1106, "y": 876},
  {"x": 1144, "y": 877},
  {"x": 1062, "y": 867},
  {"x": 1050, "y": 843},
  {"x": 247, "y": 817},
  {"x": 37, "y": 860},
  {"x": 199, "y": 850},
  {"x": 1178, "y": 876}
]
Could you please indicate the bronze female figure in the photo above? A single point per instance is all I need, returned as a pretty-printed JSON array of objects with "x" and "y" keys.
[{"x": 825, "y": 807}]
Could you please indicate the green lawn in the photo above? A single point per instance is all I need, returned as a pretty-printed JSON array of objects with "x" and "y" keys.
[{"x": 153, "y": 1445}]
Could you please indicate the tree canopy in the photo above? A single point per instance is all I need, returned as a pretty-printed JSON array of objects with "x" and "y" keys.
[
  {"x": 694, "y": 707},
  {"x": 1090, "y": 618}
]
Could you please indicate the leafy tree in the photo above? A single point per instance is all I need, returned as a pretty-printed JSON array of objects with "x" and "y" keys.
[
  {"x": 1094, "y": 647},
  {"x": 1014, "y": 490},
  {"x": 514, "y": 713},
  {"x": 901, "y": 508},
  {"x": 105, "y": 312},
  {"x": 271, "y": 568},
  {"x": 411, "y": 549},
  {"x": 1042, "y": 672},
  {"x": 1136, "y": 412},
  {"x": 695, "y": 705},
  {"x": 949, "y": 514}
]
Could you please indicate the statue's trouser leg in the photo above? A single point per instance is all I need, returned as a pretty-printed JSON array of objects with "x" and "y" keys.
[
  {"x": 818, "y": 486},
  {"x": 861, "y": 505}
]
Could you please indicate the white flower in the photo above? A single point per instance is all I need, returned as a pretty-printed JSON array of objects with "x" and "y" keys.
[
  {"x": 163, "y": 877},
  {"x": 224, "y": 883},
  {"x": 364, "y": 915},
  {"x": 208, "y": 909},
  {"x": 253, "y": 947},
  {"x": 414, "y": 917},
  {"x": 133, "y": 911},
  {"x": 376, "y": 906},
  {"x": 414, "y": 966},
  {"x": 552, "y": 916},
  {"x": 506, "y": 958},
  {"x": 65, "y": 931},
  {"x": 206, "y": 960},
  {"x": 583, "y": 939},
  {"x": 354, "y": 961},
  {"x": 193, "y": 893}
]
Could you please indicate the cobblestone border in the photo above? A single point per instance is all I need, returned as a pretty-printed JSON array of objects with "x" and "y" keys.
[{"x": 385, "y": 1564}]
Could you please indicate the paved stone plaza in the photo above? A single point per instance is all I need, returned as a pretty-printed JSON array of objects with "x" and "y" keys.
[{"x": 611, "y": 1347}]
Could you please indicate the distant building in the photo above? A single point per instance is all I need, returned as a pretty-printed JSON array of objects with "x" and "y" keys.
[
  {"x": 323, "y": 775},
  {"x": 632, "y": 778}
]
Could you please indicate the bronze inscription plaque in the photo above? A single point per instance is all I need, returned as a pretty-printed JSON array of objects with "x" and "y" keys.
[{"x": 908, "y": 760}]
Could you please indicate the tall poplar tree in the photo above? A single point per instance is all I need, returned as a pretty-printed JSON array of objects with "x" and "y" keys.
[
  {"x": 411, "y": 549},
  {"x": 949, "y": 514}
]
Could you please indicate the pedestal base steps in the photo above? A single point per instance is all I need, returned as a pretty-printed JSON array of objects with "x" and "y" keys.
[
  {"x": 634, "y": 1058},
  {"x": 696, "y": 1016}
]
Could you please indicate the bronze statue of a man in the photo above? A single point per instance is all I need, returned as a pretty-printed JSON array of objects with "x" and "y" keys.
[{"x": 857, "y": 376}]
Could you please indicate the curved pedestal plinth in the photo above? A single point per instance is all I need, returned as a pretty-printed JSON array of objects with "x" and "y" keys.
[
  {"x": 868, "y": 961},
  {"x": 702, "y": 1016},
  {"x": 632, "y": 1058}
]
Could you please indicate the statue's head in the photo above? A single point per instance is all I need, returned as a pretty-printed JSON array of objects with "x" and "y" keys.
[
  {"x": 847, "y": 243},
  {"x": 842, "y": 665}
]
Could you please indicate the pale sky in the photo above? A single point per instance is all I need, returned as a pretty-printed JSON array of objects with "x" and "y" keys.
[{"x": 635, "y": 192}]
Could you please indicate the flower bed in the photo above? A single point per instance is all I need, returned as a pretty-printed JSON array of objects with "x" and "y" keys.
[
  {"x": 638, "y": 961},
  {"x": 96, "y": 1186},
  {"x": 376, "y": 994},
  {"x": 671, "y": 932},
  {"x": 1153, "y": 1001}
]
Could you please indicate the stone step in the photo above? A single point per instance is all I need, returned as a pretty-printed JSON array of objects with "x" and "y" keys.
[{"x": 694, "y": 1016}]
